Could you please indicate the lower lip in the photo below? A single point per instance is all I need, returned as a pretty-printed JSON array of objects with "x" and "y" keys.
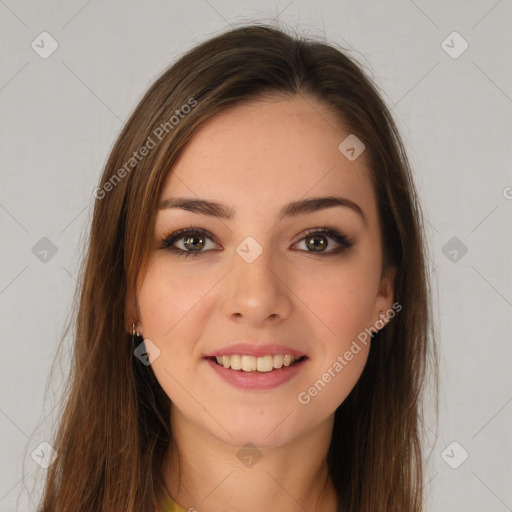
[{"x": 257, "y": 381}]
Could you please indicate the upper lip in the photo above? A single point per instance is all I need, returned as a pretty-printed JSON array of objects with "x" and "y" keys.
[{"x": 246, "y": 349}]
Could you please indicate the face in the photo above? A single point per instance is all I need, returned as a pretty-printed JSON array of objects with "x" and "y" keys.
[{"x": 253, "y": 282}]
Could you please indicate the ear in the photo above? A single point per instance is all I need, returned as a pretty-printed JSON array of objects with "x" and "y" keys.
[{"x": 385, "y": 295}]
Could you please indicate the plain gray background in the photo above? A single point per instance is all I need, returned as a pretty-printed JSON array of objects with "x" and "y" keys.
[{"x": 61, "y": 115}]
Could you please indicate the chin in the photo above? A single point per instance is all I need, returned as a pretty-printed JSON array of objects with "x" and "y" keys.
[{"x": 261, "y": 430}]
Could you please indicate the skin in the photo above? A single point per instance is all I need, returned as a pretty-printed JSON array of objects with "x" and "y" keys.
[{"x": 254, "y": 158}]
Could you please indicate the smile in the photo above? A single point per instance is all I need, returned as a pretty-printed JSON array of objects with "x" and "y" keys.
[
  {"x": 257, "y": 373},
  {"x": 262, "y": 364}
]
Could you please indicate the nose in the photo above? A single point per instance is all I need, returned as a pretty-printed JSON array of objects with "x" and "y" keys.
[{"x": 256, "y": 293}]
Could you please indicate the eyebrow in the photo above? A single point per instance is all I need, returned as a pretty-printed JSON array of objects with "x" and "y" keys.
[{"x": 293, "y": 209}]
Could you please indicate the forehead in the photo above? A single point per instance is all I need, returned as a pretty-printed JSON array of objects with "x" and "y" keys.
[{"x": 267, "y": 151}]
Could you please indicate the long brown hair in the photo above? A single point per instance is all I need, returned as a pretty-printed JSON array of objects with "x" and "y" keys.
[{"x": 114, "y": 429}]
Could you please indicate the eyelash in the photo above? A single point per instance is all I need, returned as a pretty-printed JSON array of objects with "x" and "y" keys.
[{"x": 169, "y": 240}]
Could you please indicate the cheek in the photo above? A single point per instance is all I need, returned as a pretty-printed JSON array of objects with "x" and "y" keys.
[
  {"x": 342, "y": 303},
  {"x": 168, "y": 298},
  {"x": 171, "y": 306},
  {"x": 342, "y": 300}
]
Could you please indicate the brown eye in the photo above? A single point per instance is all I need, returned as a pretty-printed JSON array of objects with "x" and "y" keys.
[
  {"x": 194, "y": 242},
  {"x": 317, "y": 240},
  {"x": 316, "y": 243},
  {"x": 189, "y": 242}
]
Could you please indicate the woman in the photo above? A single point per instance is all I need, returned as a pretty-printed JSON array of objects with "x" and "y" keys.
[{"x": 253, "y": 327}]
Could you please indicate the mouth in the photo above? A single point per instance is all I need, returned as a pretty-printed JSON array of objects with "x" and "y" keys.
[{"x": 252, "y": 364}]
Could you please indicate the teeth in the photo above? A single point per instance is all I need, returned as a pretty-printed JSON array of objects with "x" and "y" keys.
[
  {"x": 236, "y": 362},
  {"x": 249, "y": 363},
  {"x": 278, "y": 361},
  {"x": 252, "y": 364},
  {"x": 265, "y": 364}
]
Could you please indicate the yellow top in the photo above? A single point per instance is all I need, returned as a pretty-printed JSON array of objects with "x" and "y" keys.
[{"x": 167, "y": 504}]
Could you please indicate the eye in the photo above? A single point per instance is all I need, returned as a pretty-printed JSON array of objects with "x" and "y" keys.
[
  {"x": 317, "y": 240},
  {"x": 192, "y": 242}
]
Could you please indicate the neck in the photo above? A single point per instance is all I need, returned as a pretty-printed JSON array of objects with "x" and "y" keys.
[{"x": 203, "y": 473}]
